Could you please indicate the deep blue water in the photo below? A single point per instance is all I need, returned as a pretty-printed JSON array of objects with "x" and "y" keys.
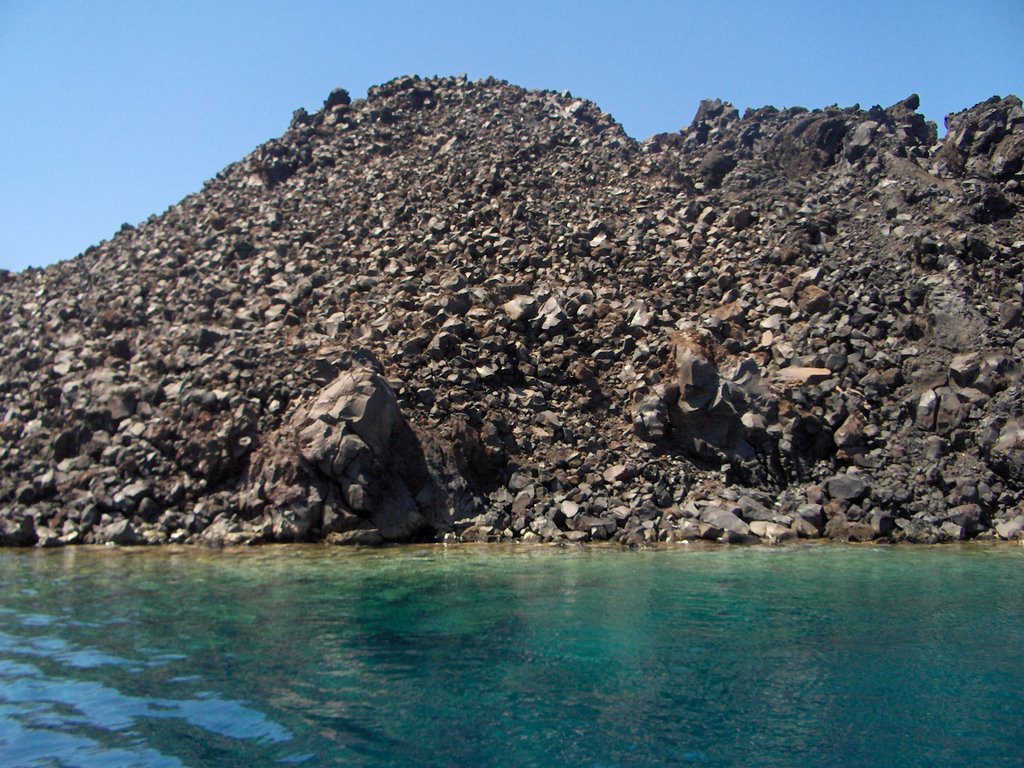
[{"x": 802, "y": 656}]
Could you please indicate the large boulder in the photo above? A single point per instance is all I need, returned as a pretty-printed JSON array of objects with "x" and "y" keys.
[
  {"x": 351, "y": 419},
  {"x": 345, "y": 461}
]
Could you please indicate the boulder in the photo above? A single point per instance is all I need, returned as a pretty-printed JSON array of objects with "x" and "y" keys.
[
  {"x": 350, "y": 420},
  {"x": 724, "y": 519},
  {"x": 771, "y": 531},
  {"x": 809, "y": 520},
  {"x": 119, "y": 532},
  {"x": 849, "y": 486},
  {"x": 840, "y": 528},
  {"x": 1011, "y": 530}
]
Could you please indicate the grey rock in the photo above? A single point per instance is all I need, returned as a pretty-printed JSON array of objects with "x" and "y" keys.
[
  {"x": 772, "y": 531},
  {"x": 651, "y": 418},
  {"x": 850, "y": 486},
  {"x": 1011, "y": 529},
  {"x": 620, "y": 473},
  {"x": 964, "y": 368},
  {"x": 724, "y": 520},
  {"x": 950, "y": 531},
  {"x": 360, "y": 401},
  {"x": 970, "y": 517},
  {"x": 520, "y": 308},
  {"x": 812, "y": 514},
  {"x": 119, "y": 532},
  {"x": 751, "y": 509}
]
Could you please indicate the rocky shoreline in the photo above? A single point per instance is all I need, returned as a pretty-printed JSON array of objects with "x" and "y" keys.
[{"x": 464, "y": 311}]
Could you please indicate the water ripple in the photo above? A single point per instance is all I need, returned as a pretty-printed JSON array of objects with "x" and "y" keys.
[
  {"x": 48, "y": 717},
  {"x": 310, "y": 656}
]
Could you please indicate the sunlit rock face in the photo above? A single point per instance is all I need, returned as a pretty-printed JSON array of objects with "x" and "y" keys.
[{"x": 463, "y": 310}]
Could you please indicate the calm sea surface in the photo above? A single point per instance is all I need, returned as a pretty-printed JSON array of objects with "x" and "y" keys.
[{"x": 800, "y": 656}]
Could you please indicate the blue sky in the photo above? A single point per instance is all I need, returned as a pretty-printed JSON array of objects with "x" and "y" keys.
[{"x": 113, "y": 111}]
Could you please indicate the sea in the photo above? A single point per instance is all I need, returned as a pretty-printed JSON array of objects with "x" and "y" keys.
[{"x": 801, "y": 655}]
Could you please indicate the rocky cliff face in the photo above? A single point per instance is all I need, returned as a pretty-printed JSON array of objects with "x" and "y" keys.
[{"x": 464, "y": 309}]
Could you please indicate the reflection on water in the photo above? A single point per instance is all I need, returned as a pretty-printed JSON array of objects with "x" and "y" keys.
[
  {"x": 816, "y": 656},
  {"x": 49, "y": 717}
]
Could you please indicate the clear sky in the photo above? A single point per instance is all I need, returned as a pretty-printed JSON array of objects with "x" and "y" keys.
[{"x": 112, "y": 111}]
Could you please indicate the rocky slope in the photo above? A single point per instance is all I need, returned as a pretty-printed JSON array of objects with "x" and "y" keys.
[{"x": 464, "y": 310}]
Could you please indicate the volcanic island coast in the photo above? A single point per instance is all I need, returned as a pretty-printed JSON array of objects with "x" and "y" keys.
[{"x": 464, "y": 311}]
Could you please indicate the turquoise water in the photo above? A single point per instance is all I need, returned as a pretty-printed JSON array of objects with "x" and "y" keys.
[{"x": 809, "y": 656}]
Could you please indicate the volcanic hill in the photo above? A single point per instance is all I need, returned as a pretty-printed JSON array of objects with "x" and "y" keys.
[{"x": 464, "y": 310}]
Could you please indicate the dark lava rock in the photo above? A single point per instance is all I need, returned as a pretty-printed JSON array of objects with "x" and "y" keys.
[
  {"x": 849, "y": 486},
  {"x": 462, "y": 309}
]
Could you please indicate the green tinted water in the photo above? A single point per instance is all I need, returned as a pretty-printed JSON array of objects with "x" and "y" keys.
[{"x": 818, "y": 656}]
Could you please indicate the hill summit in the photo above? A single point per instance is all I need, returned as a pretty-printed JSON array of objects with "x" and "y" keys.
[{"x": 464, "y": 310}]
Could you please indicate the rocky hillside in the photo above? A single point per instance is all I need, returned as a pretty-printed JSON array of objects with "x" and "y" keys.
[{"x": 465, "y": 310}]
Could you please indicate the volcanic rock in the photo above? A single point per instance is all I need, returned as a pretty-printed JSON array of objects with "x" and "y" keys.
[{"x": 462, "y": 309}]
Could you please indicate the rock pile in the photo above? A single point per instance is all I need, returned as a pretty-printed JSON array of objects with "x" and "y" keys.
[{"x": 463, "y": 310}]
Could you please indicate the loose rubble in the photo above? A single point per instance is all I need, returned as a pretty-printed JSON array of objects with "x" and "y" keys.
[{"x": 461, "y": 310}]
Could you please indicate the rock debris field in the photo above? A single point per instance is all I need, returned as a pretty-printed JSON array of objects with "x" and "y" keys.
[{"x": 464, "y": 311}]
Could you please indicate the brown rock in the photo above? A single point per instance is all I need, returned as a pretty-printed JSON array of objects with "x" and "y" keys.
[{"x": 814, "y": 299}]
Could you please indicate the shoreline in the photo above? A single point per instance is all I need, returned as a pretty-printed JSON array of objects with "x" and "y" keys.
[
  {"x": 512, "y": 546},
  {"x": 775, "y": 325},
  {"x": 717, "y": 516}
]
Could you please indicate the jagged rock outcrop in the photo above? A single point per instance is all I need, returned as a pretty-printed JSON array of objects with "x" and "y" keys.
[{"x": 465, "y": 310}]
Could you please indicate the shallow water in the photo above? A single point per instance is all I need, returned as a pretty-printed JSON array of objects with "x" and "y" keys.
[{"x": 802, "y": 656}]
